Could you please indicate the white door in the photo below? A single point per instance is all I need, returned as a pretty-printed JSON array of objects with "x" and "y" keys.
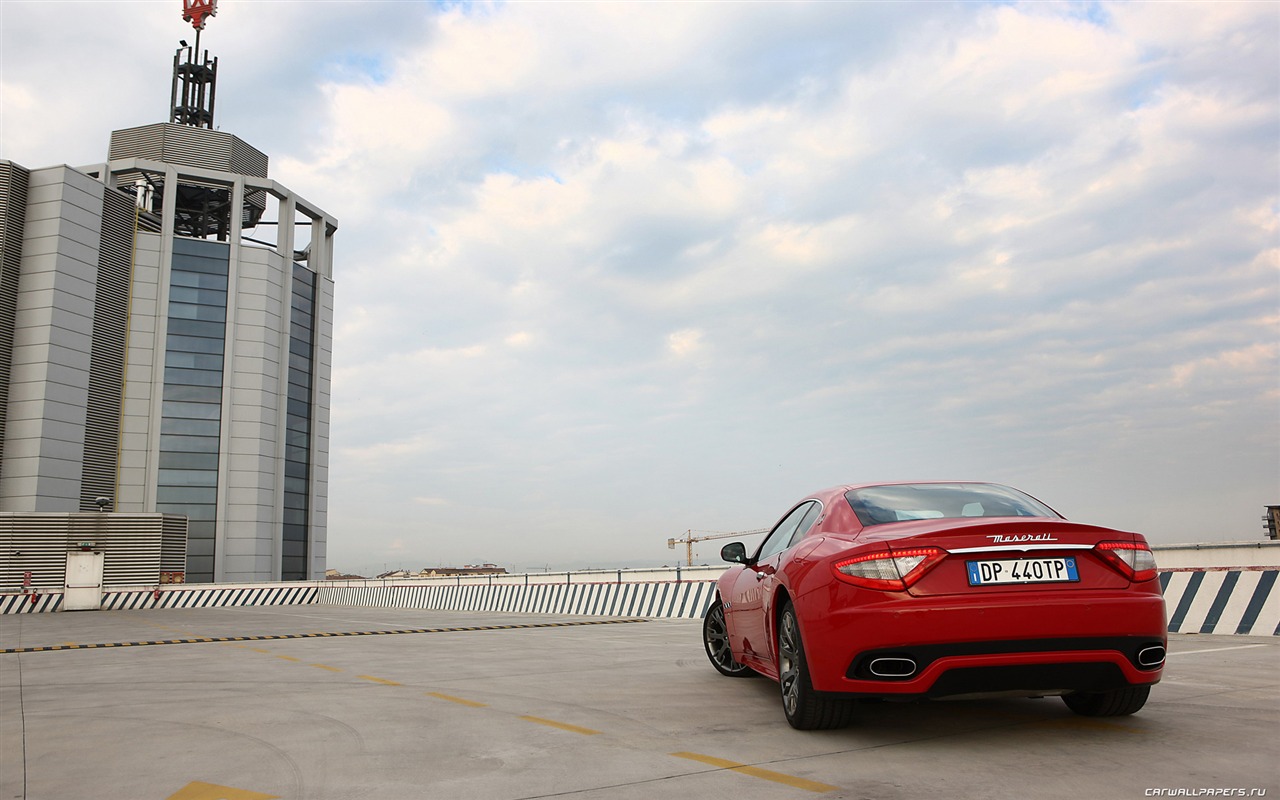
[{"x": 84, "y": 581}]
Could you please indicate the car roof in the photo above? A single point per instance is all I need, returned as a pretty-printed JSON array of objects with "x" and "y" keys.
[{"x": 848, "y": 486}]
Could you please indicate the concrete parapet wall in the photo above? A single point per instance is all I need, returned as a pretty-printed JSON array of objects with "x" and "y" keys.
[
  {"x": 1226, "y": 588},
  {"x": 1264, "y": 553}
]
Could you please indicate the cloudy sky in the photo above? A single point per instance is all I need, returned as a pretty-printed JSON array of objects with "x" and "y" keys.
[{"x": 608, "y": 271}]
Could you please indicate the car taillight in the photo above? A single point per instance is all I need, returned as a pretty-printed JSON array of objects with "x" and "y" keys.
[
  {"x": 1134, "y": 560},
  {"x": 892, "y": 572}
]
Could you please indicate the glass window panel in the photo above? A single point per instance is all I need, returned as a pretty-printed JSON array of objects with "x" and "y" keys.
[
  {"x": 193, "y": 344},
  {"x": 174, "y": 376},
  {"x": 199, "y": 546},
  {"x": 195, "y": 327},
  {"x": 880, "y": 505},
  {"x": 197, "y": 280},
  {"x": 193, "y": 511},
  {"x": 188, "y": 477},
  {"x": 200, "y": 248},
  {"x": 194, "y": 394},
  {"x": 295, "y": 516},
  {"x": 190, "y": 427},
  {"x": 298, "y": 423},
  {"x": 294, "y": 438},
  {"x": 171, "y": 408},
  {"x": 295, "y": 477},
  {"x": 299, "y": 408},
  {"x": 293, "y": 549},
  {"x": 296, "y": 533},
  {"x": 300, "y": 455},
  {"x": 295, "y": 500},
  {"x": 211, "y": 266},
  {"x": 175, "y": 460},
  {"x": 204, "y": 297},
  {"x": 211, "y": 263},
  {"x": 202, "y": 529},
  {"x": 199, "y": 569},
  {"x": 188, "y": 444},
  {"x": 207, "y": 361},
  {"x": 186, "y": 494},
  {"x": 300, "y": 348},
  {"x": 192, "y": 311}
]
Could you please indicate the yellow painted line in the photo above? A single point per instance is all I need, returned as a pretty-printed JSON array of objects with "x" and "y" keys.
[
  {"x": 289, "y": 658},
  {"x": 199, "y": 790},
  {"x": 326, "y": 666},
  {"x": 70, "y": 644},
  {"x": 757, "y": 772},
  {"x": 460, "y": 701},
  {"x": 377, "y": 680},
  {"x": 274, "y": 637},
  {"x": 260, "y": 650},
  {"x": 564, "y": 726}
]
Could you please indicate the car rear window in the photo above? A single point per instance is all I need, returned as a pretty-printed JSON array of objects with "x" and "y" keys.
[{"x": 879, "y": 505}]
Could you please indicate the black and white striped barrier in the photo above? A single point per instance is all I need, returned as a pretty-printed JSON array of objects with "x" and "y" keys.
[
  {"x": 1231, "y": 600},
  {"x": 135, "y": 598},
  {"x": 684, "y": 600},
  {"x": 1241, "y": 600},
  {"x": 30, "y": 602}
]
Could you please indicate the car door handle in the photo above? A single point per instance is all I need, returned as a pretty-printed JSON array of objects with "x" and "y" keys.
[{"x": 759, "y": 576}]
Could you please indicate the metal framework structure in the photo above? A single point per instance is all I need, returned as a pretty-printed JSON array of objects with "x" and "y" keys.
[{"x": 688, "y": 539}]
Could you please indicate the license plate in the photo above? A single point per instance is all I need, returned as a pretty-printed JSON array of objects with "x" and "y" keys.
[{"x": 1023, "y": 570}]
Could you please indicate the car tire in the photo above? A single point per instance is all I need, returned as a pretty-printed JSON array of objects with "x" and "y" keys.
[
  {"x": 715, "y": 640},
  {"x": 1115, "y": 703},
  {"x": 805, "y": 708}
]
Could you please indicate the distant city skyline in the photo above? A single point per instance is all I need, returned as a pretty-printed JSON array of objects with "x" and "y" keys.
[{"x": 612, "y": 271}]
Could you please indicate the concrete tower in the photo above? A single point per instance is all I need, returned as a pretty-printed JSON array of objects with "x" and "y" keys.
[{"x": 166, "y": 340}]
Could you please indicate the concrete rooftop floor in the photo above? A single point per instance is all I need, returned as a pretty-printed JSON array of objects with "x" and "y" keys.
[{"x": 510, "y": 706}]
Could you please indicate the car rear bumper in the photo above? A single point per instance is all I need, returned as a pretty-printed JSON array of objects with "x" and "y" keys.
[{"x": 1047, "y": 643}]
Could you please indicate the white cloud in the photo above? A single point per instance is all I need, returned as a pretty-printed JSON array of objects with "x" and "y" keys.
[
  {"x": 606, "y": 271},
  {"x": 685, "y": 342}
]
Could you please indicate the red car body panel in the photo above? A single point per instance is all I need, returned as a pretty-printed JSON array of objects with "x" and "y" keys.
[{"x": 1088, "y": 634}]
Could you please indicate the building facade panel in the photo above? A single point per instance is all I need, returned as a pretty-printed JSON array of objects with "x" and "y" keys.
[
  {"x": 51, "y": 339},
  {"x": 168, "y": 364}
]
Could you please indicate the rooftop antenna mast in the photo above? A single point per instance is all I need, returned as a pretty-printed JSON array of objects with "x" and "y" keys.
[{"x": 195, "y": 79}]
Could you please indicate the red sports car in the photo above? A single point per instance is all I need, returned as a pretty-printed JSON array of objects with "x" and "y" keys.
[{"x": 908, "y": 591}]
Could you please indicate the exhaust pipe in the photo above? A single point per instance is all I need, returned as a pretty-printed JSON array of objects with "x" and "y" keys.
[
  {"x": 892, "y": 667},
  {"x": 1152, "y": 656}
]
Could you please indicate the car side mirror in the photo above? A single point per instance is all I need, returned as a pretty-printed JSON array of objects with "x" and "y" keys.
[{"x": 734, "y": 552}]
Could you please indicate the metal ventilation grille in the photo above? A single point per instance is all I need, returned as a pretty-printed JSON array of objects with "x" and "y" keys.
[
  {"x": 173, "y": 543},
  {"x": 13, "y": 209},
  {"x": 188, "y": 146},
  {"x": 137, "y": 547},
  {"x": 107, "y": 353}
]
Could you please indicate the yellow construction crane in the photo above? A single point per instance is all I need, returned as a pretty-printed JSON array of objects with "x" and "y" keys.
[{"x": 689, "y": 539}]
